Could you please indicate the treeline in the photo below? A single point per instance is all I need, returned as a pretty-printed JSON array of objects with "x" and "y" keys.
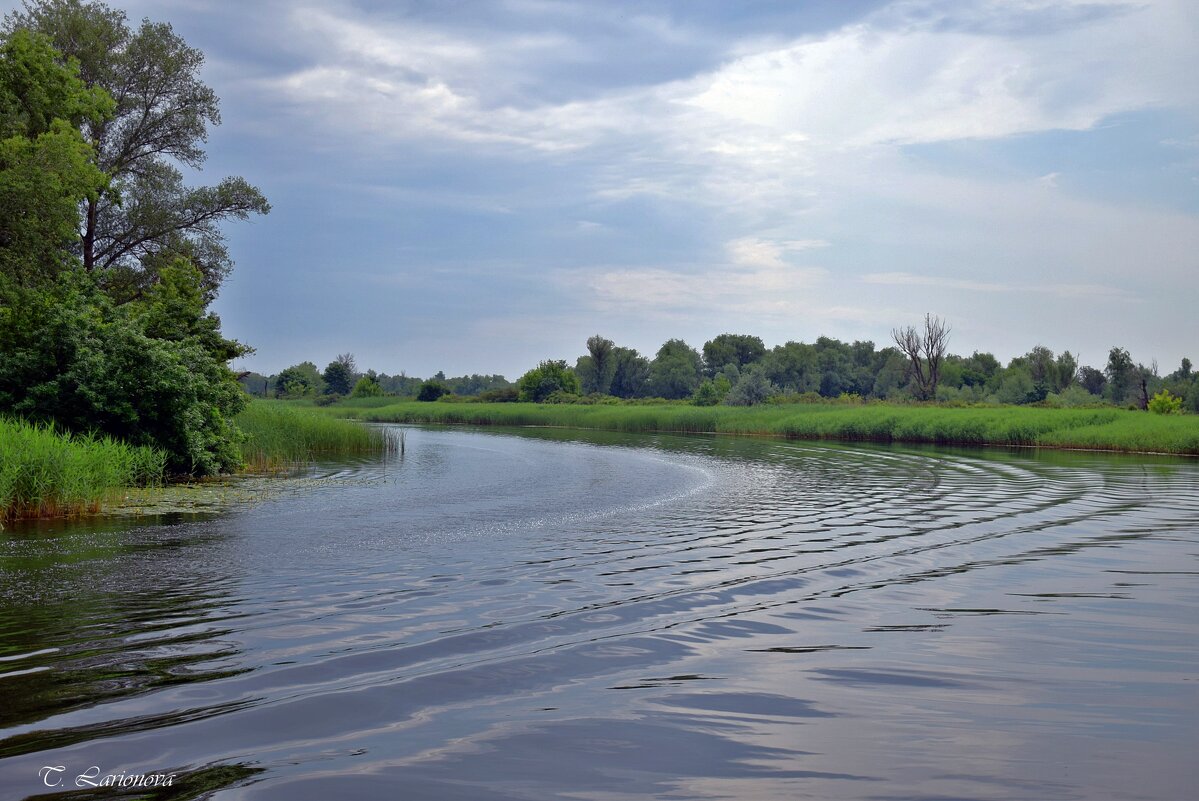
[
  {"x": 108, "y": 260},
  {"x": 342, "y": 379},
  {"x": 738, "y": 369}
]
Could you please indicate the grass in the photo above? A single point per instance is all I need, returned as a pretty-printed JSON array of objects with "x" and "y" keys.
[
  {"x": 47, "y": 473},
  {"x": 1091, "y": 429},
  {"x": 280, "y": 436}
]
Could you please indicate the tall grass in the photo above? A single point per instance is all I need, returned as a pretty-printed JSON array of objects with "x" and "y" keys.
[
  {"x": 1093, "y": 429},
  {"x": 279, "y": 436},
  {"x": 47, "y": 473}
]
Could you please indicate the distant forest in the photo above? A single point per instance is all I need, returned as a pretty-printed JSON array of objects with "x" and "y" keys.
[{"x": 739, "y": 369}]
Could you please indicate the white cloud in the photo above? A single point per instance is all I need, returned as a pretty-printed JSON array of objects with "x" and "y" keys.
[{"x": 1060, "y": 290}]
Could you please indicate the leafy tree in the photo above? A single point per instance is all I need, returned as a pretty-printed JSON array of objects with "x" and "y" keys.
[
  {"x": 474, "y": 384},
  {"x": 46, "y": 167},
  {"x": 1067, "y": 370},
  {"x": 979, "y": 368},
  {"x": 1092, "y": 380},
  {"x": 602, "y": 365},
  {"x": 71, "y": 357},
  {"x": 793, "y": 366},
  {"x": 711, "y": 391},
  {"x": 675, "y": 371},
  {"x": 545, "y": 379},
  {"x": 146, "y": 215},
  {"x": 890, "y": 378},
  {"x": 753, "y": 388},
  {"x": 630, "y": 373},
  {"x": 1042, "y": 369},
  {"x": 738, "y": 349},
  {"x": 299, "y": 380},
  {"x": 367, "y": 387},
  {"x": 339, "y": 375},
  {"x": 1016, "y": 386},
  {"x": 1121, "y": 375},
  {"x": 431, "y": 390}
]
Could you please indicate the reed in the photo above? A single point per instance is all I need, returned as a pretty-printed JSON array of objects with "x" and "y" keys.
[
  {"x": 49, "y": 473},
  {"x": 1091, "y": 429},
  {"x": 280, "y": 436}
]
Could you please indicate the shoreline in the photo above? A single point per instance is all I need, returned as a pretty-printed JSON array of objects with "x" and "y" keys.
[{"x": 1097, "y": 430}]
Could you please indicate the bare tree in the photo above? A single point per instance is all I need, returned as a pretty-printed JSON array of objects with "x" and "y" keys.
[{"x": 925, "y": 351}]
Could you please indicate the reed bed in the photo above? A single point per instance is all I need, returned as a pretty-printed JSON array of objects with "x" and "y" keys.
[
  {"x": 49, "y": 473},
  {"x": 1091, "y": 429},
  {"x": 280, "y": 436}
]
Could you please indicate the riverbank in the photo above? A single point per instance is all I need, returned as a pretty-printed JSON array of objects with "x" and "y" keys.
[
  {"x": 1104, "y": 429},
  {"x": 46, "y": 473},
  {"x": 49, "y": 473}
]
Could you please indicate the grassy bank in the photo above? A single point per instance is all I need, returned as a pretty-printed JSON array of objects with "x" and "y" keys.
[
  {"x": 49, "y": 473},
  {"x": 279, "y": 436},
  {"x": 46, "y": 473},
  {"x": 1093, "y": 429}
]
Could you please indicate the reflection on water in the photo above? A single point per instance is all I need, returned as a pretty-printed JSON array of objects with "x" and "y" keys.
[{"x": 557, "y": 615}]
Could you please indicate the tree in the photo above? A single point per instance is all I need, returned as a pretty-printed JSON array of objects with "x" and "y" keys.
[
  {"x": 602, "y": 365},
  {"x": 545, "y": 379},
  {"x": 793, "y": 366},
  {"x": 753, "y": 387},
  {"x": 738, "y": 349},
  {"x": 431, "y": 390},
  {"x": 367, "y": 387},
  {"x": 143, "y": 373},
  {"x": 675, "y": 371},
  {"x": 1121, "y": 375},
  {"x": 145, "y": 216},
  {"x": 298, "y": 381},
  {"x": 925, "y": 351},
  {"x": 46, "y": 167},
  {"x": 339, "y": 375},
  {"x": 630, "y": 373},
  {"x": 1092, "y": 380},
  {"x": 711, "y": 391}
]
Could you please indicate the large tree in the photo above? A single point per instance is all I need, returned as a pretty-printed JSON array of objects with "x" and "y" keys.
[
  {"x": 925, "y": 351},
  {"x": 46, "y": 166},
  {"x": 146, "y": 216},
  {"x": 738, "y": 349},
  {"x": 676, "y": 370}
]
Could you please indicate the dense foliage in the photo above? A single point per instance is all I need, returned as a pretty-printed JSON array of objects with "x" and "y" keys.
[{"x": 107, "y": 263}]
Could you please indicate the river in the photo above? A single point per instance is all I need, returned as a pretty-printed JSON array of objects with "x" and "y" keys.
[{"x": 553, "y": 615}]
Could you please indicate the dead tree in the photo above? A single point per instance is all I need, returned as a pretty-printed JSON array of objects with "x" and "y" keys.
[{"x": 925, "y": 351}]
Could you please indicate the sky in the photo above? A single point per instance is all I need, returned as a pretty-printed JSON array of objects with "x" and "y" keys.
[{"x": 474, "y": 187}]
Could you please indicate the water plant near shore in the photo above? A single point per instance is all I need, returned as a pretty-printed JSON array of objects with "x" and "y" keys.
[
  {"x": 49, "y": 473},
  {"x": 1091, "y": 429},
  {"x": 279, "y": 436}
]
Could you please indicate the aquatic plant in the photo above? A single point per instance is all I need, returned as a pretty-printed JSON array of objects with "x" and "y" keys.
[{"x": 45, "y": 472}]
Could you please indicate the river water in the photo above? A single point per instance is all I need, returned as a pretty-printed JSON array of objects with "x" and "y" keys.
[{"x": 549, "y": 615}]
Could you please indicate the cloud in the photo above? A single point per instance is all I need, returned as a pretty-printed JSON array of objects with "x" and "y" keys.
[
  {"x": 1060, "y": 290},
  {"x": 755, "y": 280}
]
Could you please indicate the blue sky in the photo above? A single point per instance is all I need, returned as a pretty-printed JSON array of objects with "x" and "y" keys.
[{"x": 473, "y": 187}]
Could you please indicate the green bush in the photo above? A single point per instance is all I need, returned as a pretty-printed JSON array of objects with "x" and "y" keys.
[
  {"x": 1165, "y": 403},
  {"x": 547, "y": 378},
  {"x": 147, "y": 373},
  {"x": 431, "y": 391},
  {"x": 506, "y": 395}
]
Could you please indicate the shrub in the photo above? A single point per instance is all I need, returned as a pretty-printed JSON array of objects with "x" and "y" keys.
[
  {"x": 506, "y": 395},
  {"x": 431, "y": 391},
  {"x": 1165, "y": 403},
  {"x": 545, "y": 379}
]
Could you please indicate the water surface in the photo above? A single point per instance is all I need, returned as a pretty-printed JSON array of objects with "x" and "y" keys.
[{"x": 543, "y": 615}]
